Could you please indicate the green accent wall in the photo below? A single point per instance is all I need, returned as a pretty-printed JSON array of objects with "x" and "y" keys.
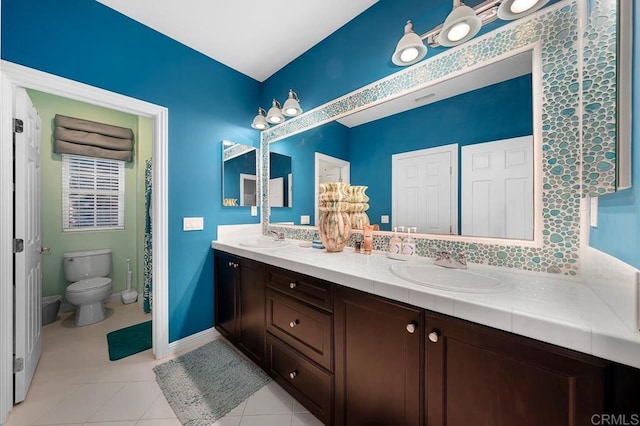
[{"x": 126, "y": 243}]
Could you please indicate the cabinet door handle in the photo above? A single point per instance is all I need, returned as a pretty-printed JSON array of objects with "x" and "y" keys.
[
  {"x": 230, "y": 263},
  {"x": 293, "y": 285},
  {"x": 293, "y": 323},
  {"x": 434, "y": 336},
  {"x": 411, "y": 328},
  {"x": 293, "y": 375},
  {"x": 235, "y": 265}
]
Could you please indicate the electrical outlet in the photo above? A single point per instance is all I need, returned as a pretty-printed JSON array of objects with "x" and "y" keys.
[
  {"x": 384, "y": 218},
  {"x": 305, "y": 219},
  {"x": 192, "y": 223},
  {"x": 254, "y": 210}
]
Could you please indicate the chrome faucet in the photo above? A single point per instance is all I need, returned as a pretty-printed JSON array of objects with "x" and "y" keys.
[
  {"x": 446, "y": 259},
  {"x": 278, "y": 236}
]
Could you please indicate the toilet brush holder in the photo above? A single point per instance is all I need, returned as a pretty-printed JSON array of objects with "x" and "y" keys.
[{"x": 128, "y": 295}]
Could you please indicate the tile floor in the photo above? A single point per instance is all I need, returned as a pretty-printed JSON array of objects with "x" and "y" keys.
[{"x": 75, "y": 383}]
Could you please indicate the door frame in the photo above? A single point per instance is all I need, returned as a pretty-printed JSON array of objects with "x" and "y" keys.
[{"x": 12, "y": 76}]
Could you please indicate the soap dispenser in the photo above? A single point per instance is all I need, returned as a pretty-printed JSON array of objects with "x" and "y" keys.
[
  {"x": 408, "y": 244},
  {"x": 395, "y": 242}
]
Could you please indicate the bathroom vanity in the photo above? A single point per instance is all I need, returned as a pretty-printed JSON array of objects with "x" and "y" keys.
[{"x": 361, "y": 346}]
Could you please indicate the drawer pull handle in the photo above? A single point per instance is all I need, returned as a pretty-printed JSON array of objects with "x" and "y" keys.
[
  {"x": 411, "y": 328},
  {"x": 293, "y": 375},
  {"x": 230, "y": 263},
  {"x": 434, "y": 336},
  {"x": 294, "y": 323},
  {"x": 292, "y": 285}
]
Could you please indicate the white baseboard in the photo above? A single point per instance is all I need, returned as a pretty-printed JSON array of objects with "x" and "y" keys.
[{"x": 197, "y": 339}]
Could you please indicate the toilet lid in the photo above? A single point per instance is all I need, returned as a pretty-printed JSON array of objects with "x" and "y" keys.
[{"x": 88, "y": 284}]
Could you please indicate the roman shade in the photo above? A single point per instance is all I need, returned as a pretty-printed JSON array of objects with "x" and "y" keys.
[{"x": 76, "y": 136}]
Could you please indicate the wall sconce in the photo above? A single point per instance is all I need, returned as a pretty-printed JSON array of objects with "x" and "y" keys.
[
  {"x": 462, "y": 24},
  {"x": 276, "y": 113}
]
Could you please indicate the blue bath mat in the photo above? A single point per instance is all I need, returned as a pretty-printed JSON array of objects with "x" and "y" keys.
[{"x": 130, "y": 340}]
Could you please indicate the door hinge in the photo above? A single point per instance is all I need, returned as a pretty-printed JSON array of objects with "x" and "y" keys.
[
  {"x": 18, "y": 365},
  {"x": 18, "y": 245},
  {"x": 18, "y": 125}
]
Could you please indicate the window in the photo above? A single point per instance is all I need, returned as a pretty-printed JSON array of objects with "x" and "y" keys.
[{"x": 92, "y": 193}]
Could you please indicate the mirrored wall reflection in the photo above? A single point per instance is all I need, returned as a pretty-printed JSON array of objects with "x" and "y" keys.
[
  {"x": 435, "y": 159},
  {"x": 280, "y": 180},
  {"x": 239, "y": 175}
]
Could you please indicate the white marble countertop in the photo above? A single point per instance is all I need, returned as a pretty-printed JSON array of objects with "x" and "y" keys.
[{"x": 557, "y": 310}]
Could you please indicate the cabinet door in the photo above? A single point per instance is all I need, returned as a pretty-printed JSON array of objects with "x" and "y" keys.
[
  {"x": 479, "y": 376},
  {"x": 251, "y": 310},
  {"x": 224, "y": 294},
  {"x": 378, "y": 360}
]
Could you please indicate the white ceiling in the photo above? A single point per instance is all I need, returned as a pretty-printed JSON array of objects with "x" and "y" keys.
[{"x": 255, "y": 37}]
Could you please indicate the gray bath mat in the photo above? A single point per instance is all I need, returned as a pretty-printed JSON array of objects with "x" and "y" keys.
[{"x": 206, "y": 383}]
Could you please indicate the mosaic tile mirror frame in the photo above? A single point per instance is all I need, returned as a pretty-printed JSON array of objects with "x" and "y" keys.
[{"x": 564, "y": 52}]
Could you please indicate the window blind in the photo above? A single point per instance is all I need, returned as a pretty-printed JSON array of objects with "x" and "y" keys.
[{"x": 92, "y": 193}]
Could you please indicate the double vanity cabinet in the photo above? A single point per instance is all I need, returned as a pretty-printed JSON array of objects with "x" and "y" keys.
[{"x": 354, "y": 358}]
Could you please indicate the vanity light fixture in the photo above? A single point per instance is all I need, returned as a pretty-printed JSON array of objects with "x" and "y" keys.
[
  {"x": 462, "y": 24},
  {"x": 275, "y": 116},
  {"x": 260, "y": 121},
  {"x": 410, "y": 48},
  {"x": 291, "y": 106},
  {"x": 514, "y": 9},
  {"x": 277, "y": 113}
]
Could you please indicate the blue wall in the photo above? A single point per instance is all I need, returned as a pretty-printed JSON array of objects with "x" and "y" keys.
[
  {"x": 207, "y": 101},
  {"x": 618, "y": 231}
]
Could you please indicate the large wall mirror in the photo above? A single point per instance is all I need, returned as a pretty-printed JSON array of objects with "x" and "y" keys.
[
  {"x": 542, "y": 105},
  {"x": 239, "y": 175},
  {"x": 444, "y": 159}
]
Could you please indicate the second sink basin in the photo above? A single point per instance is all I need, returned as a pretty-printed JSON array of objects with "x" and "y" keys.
[
  {"x": 458, "y": 280},
  {"x": 261, "y": 242}
]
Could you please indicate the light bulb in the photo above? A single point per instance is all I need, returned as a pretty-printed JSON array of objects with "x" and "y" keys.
[
  {"x": 519, "y": 6},
  {"x": 458, "y": 31},
  {"x": 409, "y": 54}
]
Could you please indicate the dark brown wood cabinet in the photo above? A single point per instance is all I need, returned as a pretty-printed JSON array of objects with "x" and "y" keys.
[
  {"x": 481, "y": 376},
  {"x": 379, "y": 350},
  {"x": 354, "y": 358},
  {"x": 240, "y": 303}
]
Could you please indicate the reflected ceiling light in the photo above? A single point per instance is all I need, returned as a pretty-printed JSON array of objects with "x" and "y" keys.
[
  {"x": 275, "y": 116},
  {"x": 410, "y": 48},
  {"x": 291, "y": 106},
  {"x": 260, "y": 121},
  {"x": 461, "y": 25},
  {"x": 514, "y": 9}
]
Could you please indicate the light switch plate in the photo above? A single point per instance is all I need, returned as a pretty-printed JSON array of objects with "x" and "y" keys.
[
  {"x": 254, "y": 210},
  {"x": 384, "y": 218},
  {"x": 593, "y": 212},
  {"x": 305, "y": 219},
  {"x": 192, "y": 223}
]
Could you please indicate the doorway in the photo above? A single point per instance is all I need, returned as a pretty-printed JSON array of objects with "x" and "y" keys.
[{"x": 15, "y": 76}]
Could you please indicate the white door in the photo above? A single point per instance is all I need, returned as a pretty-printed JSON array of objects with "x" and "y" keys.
[
  {"x": 276, "y": 192},
  {"x": 424, "y": 191},
  {"x": 28, "y": 272},
  {"x": 497, "y": 189},
  {"x": 328, "y": 169}
]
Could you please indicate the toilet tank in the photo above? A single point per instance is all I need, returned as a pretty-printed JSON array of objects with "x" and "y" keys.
[{"x": 80, "y": 265}]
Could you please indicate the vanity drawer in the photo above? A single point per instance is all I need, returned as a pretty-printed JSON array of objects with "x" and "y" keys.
[
  {"x": 311, "y": 290},
  {"x": 307, "y": 383},
  {"x": 307, "y": 329}
]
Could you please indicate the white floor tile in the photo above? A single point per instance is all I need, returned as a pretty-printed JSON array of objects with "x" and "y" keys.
[
  {"x": 158, "y": 422},
  {"x": 305, "y": 419},
  {"x": 160, "y": 409},
  {"x": 130, "y": 403},
  {"x": 266, "y": 420},
  {"x": 129, "y": 423},
  {"x": 228, "y": 421},
  {"x": 239, "y": 410},
  {"x": 271, "y": 399},
  {"x": 79, "y": 406},
  {"x": 299, "y": 408}
]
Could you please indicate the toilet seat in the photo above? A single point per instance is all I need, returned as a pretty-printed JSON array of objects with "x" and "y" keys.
[{"x": 88, "y": 284}]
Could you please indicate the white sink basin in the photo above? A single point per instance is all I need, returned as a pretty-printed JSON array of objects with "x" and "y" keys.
[
  {"x": 458, "y": 280},
  {"x": 264, "y": 243}
]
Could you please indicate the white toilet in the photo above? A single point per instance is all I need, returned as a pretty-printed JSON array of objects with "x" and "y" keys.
[{"x": 88, "y": 270}]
